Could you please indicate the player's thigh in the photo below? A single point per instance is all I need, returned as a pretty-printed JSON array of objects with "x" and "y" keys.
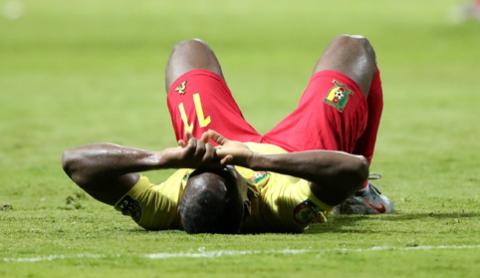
[
  {"x": 351, "y": 55},
  {"x": 332, "y": 111},
  {"x": 189, "y": 55},
  {"x": 331, "y": 115},
  {"x": 198, "y": 96}
]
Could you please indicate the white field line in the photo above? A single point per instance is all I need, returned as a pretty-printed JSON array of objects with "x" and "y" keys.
[
  {"x": 201, "y": 253},
  {"x": 52, "y": 258}
]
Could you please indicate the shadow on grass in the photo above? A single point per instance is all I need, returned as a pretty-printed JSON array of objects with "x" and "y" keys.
[
  {"x": 431, "y": 215},
  {"x": 352, "y": 223},
  {"x": 340, "y": 224}
]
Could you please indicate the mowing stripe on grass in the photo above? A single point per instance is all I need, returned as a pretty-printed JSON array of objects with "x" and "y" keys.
[{"x": 201, "y": 253}]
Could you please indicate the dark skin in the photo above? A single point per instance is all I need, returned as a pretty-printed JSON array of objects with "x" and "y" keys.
[
  {"x": 108, "y": 171},
  {"x": 351, "y": 55},
  {"x": 190, "y": 55},
  {"x": 333, "y": 175}
]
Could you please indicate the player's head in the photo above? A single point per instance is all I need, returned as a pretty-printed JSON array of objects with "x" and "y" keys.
[{"x": 212, "y": 202}]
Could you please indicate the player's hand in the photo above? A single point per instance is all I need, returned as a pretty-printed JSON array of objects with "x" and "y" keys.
[
  {"x": 229, "y": 151},
  {"x": 191, "y": 153}
]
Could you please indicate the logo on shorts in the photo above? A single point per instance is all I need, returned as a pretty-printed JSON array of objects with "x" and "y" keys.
[
  {"x": 338, "y": 96},
  {"x": 129, "y": 206},
  {"x": 306, "y": 212},
  {"x": 181, "y": 88}
]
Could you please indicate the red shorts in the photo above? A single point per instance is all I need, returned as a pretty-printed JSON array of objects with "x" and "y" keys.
[
  {"x": 200, "y": 100},
  {"x": 332, "y": 113}
]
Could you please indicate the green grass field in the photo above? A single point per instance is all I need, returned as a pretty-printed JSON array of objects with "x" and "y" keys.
[{"x": 76, "y": 72}]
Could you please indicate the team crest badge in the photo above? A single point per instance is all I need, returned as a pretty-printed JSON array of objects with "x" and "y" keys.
[
  {"x": 181, "y": 88},
  {"x": 338, "y": 96},
  {"x": 258, "y": 177}
]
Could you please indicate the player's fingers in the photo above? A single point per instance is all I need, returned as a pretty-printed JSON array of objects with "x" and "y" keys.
[
  {"x": 181, "y": 143},
  {"x": 207, "y": 136},
  {"x": 226, "y": 160},
  {"x": 191, "y": 146},
  {"x": 204, "y": 138},
  {"x": 220, "y": 152},
  {"x": 199, "y": 149},
  {"x": 209, "y": 153},
  {"x": 188, "y": 135},
  {"x": 217, "y": 137}
]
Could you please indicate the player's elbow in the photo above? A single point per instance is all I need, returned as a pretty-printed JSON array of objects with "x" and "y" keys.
[
  {"x": 359, "y": 170},
  {"x": 67, "y": 162},
  {"x": 353, "y": 173},
  {"x": 72, "y": 161}
]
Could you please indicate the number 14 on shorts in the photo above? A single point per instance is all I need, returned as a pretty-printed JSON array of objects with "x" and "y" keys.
[{"x": 202, "y": 120}]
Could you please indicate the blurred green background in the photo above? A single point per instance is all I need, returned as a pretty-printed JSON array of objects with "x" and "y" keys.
[{"x": 76, "y": 72}]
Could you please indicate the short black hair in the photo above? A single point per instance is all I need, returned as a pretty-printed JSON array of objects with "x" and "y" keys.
[{"x": 211, "y": 204}]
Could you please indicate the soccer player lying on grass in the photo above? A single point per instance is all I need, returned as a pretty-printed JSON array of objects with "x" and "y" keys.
[
  {"x": 216, "y": 197},
  {"x": 314, "y": 159}
]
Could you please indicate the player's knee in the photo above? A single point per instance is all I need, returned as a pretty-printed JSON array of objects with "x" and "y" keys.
[
  {"x": 358, "y": 43},
  {"x": 194, "y": 45},
  {"x": 189, "y": 55},
  {"x": 361, "y": 170},
  {"x": 352, "y": 55},
  {"x": 349, "y": 37}
]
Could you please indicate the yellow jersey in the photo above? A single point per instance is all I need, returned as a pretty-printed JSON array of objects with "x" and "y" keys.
[{"x": 279, "y": 203}]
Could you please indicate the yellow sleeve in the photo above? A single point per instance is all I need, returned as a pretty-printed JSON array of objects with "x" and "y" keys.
[
  {"x": 154, "y": 207},
  {"x": 286, "y": 203},
  {"x": 290, "y": 203}
]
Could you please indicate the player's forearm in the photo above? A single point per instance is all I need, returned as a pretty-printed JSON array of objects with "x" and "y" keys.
[
  {"x": 102, "y": 160},
  {"x": 317, "y": 166}
]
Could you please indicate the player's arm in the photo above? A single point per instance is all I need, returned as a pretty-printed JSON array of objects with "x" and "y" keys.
[
  {"x": 108, "y": 171},
  {"x": 334, "y": 175}
]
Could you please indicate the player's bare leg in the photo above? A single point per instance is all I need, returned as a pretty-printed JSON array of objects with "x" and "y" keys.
[
  {"x": 189, "y": 55},
  {"x": 352, "y": 56},
  {"x": 198, "y": 97},
  {"x": 355, "y": 57}
]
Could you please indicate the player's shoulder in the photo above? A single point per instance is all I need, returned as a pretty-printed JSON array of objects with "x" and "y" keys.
[{"x": 178, "y": 178}]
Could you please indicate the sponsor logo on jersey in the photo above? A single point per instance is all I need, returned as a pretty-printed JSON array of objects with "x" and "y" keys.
[
  {"x": 306, "y": 212},
  {"x": 129, "y": 206},
  {"x": 337, "y": 96}
]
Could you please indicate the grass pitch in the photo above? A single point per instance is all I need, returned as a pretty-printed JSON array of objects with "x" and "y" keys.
[{"x": 75, "y": 72}]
